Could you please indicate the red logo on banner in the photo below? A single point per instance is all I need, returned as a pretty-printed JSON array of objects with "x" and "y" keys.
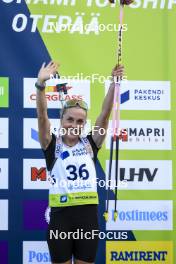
[
  {"x": 38, "y": 174},
  {"x": 123, "y": 134},
  {"x": 57, "y": 97}
]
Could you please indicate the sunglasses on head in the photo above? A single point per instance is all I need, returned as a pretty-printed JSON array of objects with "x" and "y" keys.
[{"x": 74, "y": 103}]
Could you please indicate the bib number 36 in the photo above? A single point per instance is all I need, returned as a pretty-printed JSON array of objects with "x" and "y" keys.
[{"x": 75, "y": 172}]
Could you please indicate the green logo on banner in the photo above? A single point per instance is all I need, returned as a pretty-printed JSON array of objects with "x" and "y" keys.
[{"x": 4, "y": 92}]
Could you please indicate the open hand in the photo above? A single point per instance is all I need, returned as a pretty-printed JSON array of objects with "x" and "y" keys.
[{"x": 45, "y": 72}]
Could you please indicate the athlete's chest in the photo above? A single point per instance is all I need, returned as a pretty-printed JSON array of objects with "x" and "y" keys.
[{"x": 74, "y": 163}]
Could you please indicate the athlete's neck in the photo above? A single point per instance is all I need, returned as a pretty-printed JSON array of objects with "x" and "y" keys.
[{"x": 70, "y": 142}]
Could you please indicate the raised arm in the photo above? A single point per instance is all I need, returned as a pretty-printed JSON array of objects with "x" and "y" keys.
[
  {"x": 43, "y": 121},
  {"x": 103, "y": 118}
]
